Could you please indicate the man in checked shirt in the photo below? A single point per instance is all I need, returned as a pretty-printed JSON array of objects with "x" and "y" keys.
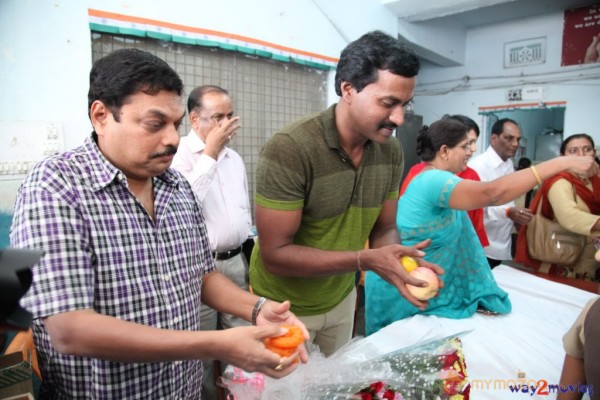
[{"x": 116, "y": 296}]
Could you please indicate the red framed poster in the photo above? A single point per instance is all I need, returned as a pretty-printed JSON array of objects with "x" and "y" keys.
[{"x": 581, "y": 36}]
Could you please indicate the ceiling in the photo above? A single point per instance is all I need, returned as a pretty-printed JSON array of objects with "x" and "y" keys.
[{"x": 472, "y": 13}]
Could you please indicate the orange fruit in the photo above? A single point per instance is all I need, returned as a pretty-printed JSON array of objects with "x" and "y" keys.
[{"x": 287, "y": 343}]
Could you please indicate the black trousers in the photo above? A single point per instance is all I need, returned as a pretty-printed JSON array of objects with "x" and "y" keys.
[{"x": 493, "y": 263}]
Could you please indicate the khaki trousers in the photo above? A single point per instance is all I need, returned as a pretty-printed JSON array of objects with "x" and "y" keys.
[{"x": 332, "y": 330}]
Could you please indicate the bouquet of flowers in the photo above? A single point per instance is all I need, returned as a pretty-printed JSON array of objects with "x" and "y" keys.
[
  {"x": 432, "y": 370},
  {"x": 436, "y": 370}
]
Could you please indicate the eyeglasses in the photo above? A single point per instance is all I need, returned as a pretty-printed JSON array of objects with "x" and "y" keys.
[{"x": 579, "y": 150}]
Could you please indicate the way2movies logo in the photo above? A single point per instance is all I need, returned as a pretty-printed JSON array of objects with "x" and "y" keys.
[
  {"x": 542, "y": 388},
  {"x": 539, "y": 387}
]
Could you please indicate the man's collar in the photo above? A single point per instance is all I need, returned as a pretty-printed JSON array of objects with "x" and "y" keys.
[
  {"x": 332, "y": 135},
  {"x": 494, "y": 157},
  {"x": 196, "y": 144}
]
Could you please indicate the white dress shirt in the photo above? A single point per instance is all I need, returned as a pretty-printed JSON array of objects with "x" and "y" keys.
[
  {"x": 222, "y": 187},
  {"x": 498, "y": 226}
]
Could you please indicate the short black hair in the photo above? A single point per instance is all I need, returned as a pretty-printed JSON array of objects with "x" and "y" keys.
[
  {"x": 498, "y": 126},
  {"x": 361, "y": 60},
  {"x": 523, "y": 163},
  {"x": 125, "y": 72}
]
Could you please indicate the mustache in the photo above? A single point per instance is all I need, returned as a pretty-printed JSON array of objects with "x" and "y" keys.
[
  {"x": 168, "y": 151},
  {"x": 387, "y": 124}
]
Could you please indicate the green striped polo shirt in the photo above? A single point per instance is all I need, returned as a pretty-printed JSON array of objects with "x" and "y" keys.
[{"x": 304, "y": 167}]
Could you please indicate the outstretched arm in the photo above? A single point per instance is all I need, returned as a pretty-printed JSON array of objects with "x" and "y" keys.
[{"x": 468, "y": 194}]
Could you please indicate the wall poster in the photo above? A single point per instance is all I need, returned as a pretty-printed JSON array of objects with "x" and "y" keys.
[{"x": 581, "y": 36}]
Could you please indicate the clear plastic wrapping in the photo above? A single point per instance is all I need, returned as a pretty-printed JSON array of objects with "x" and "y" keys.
[{"x": 434, "y": 369}]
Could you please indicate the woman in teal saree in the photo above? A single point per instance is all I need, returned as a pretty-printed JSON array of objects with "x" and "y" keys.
[{"x": 434, "y": 207}]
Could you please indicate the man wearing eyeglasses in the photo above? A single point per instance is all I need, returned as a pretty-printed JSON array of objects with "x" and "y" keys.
[{"x": 218, "y": 176}]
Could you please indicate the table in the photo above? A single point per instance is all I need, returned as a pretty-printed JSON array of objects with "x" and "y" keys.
[{"x": 523, "y": 346}]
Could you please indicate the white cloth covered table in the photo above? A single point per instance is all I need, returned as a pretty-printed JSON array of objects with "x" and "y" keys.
[{"x": 499, "y": 350}]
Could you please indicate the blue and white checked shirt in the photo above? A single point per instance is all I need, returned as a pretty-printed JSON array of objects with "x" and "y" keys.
[{"x": 104, "y": 252}]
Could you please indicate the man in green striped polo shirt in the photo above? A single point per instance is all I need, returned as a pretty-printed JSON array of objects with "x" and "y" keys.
[{"x": 329, "y": 182}]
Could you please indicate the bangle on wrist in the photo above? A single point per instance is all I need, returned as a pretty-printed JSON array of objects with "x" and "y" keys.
[
  {"x": 358, "y": 268},
  {"x": 536, "y": 174},
  {"x": 259, "y": 303}
]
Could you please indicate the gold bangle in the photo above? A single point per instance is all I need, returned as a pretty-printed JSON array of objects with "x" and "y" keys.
[
  {"x": 537, "y": 175},
  {"x": 359, "y": 269}
]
